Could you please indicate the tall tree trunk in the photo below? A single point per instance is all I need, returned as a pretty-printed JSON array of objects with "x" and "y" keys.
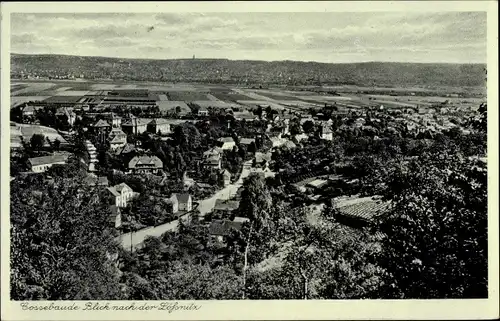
[
  {"x": 245, "y": 266},
  {"x": 306, "y": 281}
]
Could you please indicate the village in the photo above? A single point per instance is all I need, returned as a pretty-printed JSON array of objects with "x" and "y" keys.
[{"x": 190, "y": 159}]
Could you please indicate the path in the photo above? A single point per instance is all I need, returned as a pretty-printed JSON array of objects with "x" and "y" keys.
[{"x": 135, "y": 239}]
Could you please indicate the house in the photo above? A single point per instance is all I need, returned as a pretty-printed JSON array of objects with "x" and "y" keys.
[
  {"x": 360, "y": 212},
  {"x": 213, "y": 162},
  {"x": 219, "y": 230},
  {"x": 225, "y": 177},
  {"x": 262, "y": 160},
  {"x": 134, "y": 125},
  {"x": 202, "y": 111},
  {"x": 41, "y": 164},
  {"x": 213, "y": 158},
  {"x": 244, "y": 115},
  {"x": 117, "y": 139},
  {"x": 247, "y": 141},
  {"x": 224, "y": 208},
  {"x": 300, "y": 137},
  {"x": 227, "y": 143},
  {"x": 277, "y": 141},
  {"x": 213, "y": 152},
  {"x": 116, "y": 121},
  {"x": 241, "y": 220},
  {"x": 28, "y": 111},
  {"x": 115, "y": 218},
  {"x": 68, "y": 112},
  {"x": 159, "y": 126},
  {"x": 121, "y": 194},
  {"x": 93, "y": 180},
  {"x": 181, "y": 202},
  {"x": 145, "y": 164},
  {"x": 317, "y": 184},
  {"x": 101, "y": 125},
  {"x": 289, "y": 145}
]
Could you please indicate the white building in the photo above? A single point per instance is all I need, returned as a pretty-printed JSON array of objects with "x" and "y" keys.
[
  {"x": 121, "y": 194},
  {"x": 41, "y": 164}
]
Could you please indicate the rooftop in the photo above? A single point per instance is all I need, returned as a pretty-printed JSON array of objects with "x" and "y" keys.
[
  {"x": 150, "y": 161},
  {"x": 223, "y": 227},
  {"x": 226, "y": 205},
  {"x": 46, "y": 160}
]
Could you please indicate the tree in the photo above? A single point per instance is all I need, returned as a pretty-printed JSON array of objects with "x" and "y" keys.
[
  {"x": 308, "y": 127},
  {"x": 60, "y": 246},
  {"x": 37, "y": 141},
  {"x": 436, "y": 233}
]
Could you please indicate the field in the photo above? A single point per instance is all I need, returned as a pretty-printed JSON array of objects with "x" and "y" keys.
[
  {"x": 231, "y": 96},
  {"x": 225, "y": 96},
  {"x": 187, "y": 95},
  {"x": 17, "y": 100}
]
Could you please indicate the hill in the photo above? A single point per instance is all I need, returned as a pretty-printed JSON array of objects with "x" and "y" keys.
[{"x": 245, "y": 71}]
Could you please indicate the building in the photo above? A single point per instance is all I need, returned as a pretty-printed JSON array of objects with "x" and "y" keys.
[
  {"x": 213, "y": 158},
  {"x": 101, "y": 125},
  {"x": 159, "y": 126},
  {"x": 28, "y": 111},
  {"x": 117, "y": 139},
  {"x": 225, "y": 177},
  {"x": 120, "y": 194},
  {"x": 219, "y": 230},
  {"x": 227, "y": 143},
  {"x": 41, "y": 164},
  {"x": 116, "y": 121},
  {"x": 224, "y": 208},
  {"x": 68, "y": 112},
  {"x": 202, "y": 111},
  {"x": 247, "y": 141},
  {"x": 262, "y": 160},
  {"x": 134, "y": 125},
  {"x": 91, "y": 157},
  {"x": 93, "y": 180},
  {"x": 244, "y": 115},
  {"x": 325, "y": 130},
  {"x": 181, "y": 202},
  {"x": 145, "y": 164},
  {"x": 115, "y": 219}
]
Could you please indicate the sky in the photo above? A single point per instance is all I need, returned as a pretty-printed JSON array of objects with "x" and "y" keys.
[{"x": 442, "y": 37}]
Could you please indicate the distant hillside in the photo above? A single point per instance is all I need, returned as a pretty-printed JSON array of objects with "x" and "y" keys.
[{"x": 245, "y": 71}]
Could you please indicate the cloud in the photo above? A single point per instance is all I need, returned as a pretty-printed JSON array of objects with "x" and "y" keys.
[{"x": 408, "y": 36}]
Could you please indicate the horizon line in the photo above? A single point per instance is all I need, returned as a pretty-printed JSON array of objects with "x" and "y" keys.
[{"x": 260, "y": 60}]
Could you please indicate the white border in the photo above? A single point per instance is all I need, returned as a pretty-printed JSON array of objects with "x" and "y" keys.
[{"x": 272, "y": 310}]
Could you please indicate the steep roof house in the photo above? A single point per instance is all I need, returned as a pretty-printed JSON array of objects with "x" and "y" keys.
[
  {"x": 145, "y": 164},
  {"x": 121, "y": 194},
  {"x": 183, "y": 201}
]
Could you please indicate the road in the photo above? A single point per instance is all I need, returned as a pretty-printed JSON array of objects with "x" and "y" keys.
[{"x": 135, "y": 239}]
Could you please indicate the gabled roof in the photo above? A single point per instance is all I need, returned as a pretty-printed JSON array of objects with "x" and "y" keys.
[
  {"x": 121, "y": 186},
  {"x": 151, "y": 161},
  {"x": 226, "y": 140},
  {"x": 212, "y": 151},
  {"x": 261, "y": 157},
  {"x": 226, "y": 205},
  {"x": 102, "y": 123},
  {"x": 247, "y": 141},
  {"x": 117, "y": 189},
  {"x": 182, "y": 197},
  {"x": 46, "y": 160},
  {"x": 223, "y": 227},
  {"x": 225, "y": 173}
]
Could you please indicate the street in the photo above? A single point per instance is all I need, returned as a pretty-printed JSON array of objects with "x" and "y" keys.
[{"x": 134, "y": 239}]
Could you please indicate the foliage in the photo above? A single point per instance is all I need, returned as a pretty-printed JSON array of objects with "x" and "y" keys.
[
  {"x": 436, "y": 234},
  {"x": 60, "y": 246}
]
